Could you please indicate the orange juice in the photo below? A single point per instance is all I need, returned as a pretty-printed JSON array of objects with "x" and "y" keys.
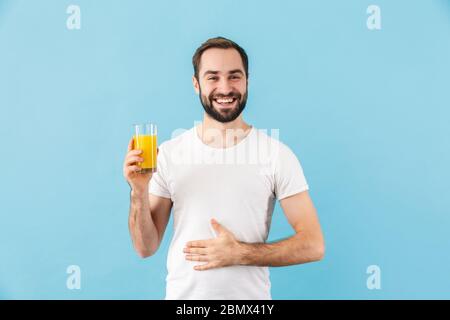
[{"x": 146, "y": 143}]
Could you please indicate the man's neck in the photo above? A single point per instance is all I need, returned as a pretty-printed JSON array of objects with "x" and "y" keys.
[{"x": 222, "y": 135}]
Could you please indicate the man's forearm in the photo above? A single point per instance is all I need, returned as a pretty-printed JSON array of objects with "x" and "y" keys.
[
  {"x": 142, "y": 229},
  {"x": 293, "y": 250}
]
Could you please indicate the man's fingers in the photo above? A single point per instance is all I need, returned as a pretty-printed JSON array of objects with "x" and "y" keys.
[
  {"x": 133, "y": 159},
  {"x": 134, "y": 152},
  {"x": 134, "y": 169},
  {"x": 131, "y": 144},
  {"x": 197, "y": 257},
  {"x": 207, "y": 266},
  {"x": 198, "y": 243},
  {"x": 196, "y": 250}
]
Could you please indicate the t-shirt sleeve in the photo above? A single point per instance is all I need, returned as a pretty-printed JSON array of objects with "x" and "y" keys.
[
  {"x": 158, "y": 184},
  {"x": 289, "y": 177}
]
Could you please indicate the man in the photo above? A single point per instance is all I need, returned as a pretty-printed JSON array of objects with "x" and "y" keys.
[{"x": 222, "y": 199}]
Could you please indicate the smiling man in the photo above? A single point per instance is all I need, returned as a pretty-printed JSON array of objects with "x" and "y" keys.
[{"x": 221, "y": 179}]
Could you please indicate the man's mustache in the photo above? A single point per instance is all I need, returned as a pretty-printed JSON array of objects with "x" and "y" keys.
[{"x": 222, "y": 96}]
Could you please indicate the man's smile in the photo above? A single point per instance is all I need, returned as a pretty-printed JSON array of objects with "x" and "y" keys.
[{"x": 225, "y": 102}]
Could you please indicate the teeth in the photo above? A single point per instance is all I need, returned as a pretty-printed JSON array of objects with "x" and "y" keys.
[{"x": 224, "y": 100}]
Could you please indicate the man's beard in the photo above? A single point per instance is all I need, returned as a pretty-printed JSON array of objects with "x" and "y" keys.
[{"x": 226, "y": 115}]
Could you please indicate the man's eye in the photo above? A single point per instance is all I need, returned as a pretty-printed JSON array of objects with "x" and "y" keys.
[
  {"x": 212, "y": 78},
  {"x": 235, "y": 77}
]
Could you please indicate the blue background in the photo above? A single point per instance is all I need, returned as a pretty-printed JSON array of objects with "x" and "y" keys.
[{"x": 366, "y": 112}]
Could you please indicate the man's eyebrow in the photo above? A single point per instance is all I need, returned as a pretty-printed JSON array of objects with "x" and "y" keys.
[
  {"x": 207, "y": 72},
  {"x": 210, "y": 72},
  {"x": 236, "y": 71}
]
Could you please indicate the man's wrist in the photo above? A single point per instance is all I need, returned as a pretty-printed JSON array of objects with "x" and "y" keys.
[
  {"x": 241, "y": 253},
  {"x": 139, "y": 192}
]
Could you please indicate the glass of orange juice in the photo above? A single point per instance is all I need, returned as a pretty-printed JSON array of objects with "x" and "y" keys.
[{"x": 145, "y": 139}]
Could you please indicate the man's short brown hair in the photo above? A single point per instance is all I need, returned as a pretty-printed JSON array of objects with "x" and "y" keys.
[{"x": 221, "y": 43}]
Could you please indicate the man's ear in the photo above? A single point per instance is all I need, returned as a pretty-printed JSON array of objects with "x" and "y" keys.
[{"x": 196, "y": 85}]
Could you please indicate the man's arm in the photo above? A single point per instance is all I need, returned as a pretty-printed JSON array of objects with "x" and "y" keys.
[
  {"x": 307, "y": 245},
  {"x": 149, "y": 215}
]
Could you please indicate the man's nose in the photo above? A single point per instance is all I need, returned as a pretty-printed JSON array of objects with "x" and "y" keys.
[{"x": 224, "y": 87}]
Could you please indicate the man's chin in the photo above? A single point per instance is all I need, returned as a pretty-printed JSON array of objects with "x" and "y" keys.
[
  {"x": 225, "y": 111},
  {"x": 222, "y": 114}
]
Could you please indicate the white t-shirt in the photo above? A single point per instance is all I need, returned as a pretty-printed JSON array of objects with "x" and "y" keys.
[{"x": 238, "y": 186}]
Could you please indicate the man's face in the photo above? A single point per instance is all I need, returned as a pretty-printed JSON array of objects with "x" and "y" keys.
[{"x": 222, "y": 84}]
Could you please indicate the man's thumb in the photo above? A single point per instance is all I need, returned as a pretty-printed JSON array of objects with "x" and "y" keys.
[{"x": 217, "y": 226}]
